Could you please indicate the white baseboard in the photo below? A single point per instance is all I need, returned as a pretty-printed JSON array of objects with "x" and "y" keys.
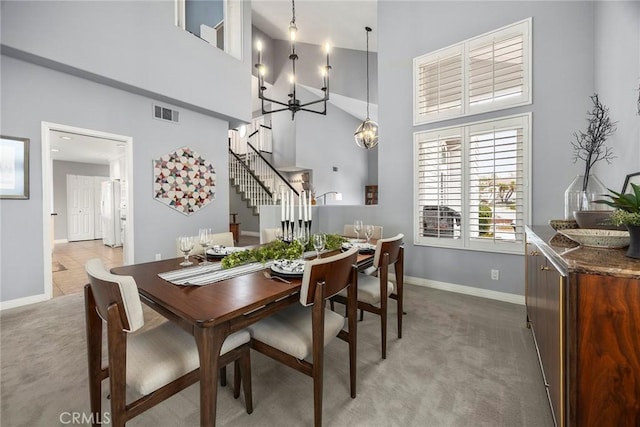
[
  {"x": 462, "y": 289},
  {"x": 249, "y": 233},
  {"x": 19, "y": 302},
  {"x": 61, "y": 241}
]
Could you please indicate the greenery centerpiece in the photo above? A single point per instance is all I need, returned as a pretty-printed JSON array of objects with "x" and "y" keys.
[
  {"x": 277, "y": 249},
  {"x": 627, "y": 212}
]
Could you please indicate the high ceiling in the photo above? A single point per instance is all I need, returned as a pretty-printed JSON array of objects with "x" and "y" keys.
[{"x": 341, "y": 23}]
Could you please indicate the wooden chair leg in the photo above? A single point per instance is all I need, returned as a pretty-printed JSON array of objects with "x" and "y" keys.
[
  {"x": 236, "y": 379},
  {"x": 223, "y": 376},
  {"x": 94, "y": 354},
  {"x": 117, "y": 370},
  {"x": 361, "y": 315},
  {"x": 400, "y": 314},
  {"x": 245, "y": 371},
  {"x": 383, "y": 330}
]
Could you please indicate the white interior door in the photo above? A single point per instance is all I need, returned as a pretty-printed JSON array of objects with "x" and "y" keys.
[
  {"x": 80, "y": 208},
  {"x": 97, "y": 217}
]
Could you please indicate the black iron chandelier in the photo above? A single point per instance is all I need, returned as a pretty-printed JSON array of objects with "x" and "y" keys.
[
  {"x": 293, "y": 104},
  {"x": 367, "y": 133}
]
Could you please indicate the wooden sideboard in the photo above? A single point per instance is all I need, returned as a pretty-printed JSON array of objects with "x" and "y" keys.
[{"x": 583, "y": 307}]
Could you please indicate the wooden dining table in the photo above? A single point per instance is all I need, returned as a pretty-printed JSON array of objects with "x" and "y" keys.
[{"x": 212, "y": 312}]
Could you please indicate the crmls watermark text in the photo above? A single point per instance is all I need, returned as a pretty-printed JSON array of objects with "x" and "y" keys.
[{"x": 84, "y": 418}]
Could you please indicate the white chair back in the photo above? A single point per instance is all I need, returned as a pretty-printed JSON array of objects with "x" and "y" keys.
[
  {"x": 326, "y": 270},
  {"x": 126, "y": 287},
  {"x": 268, "y": 235},
  {"x": 380, "y": 247}
]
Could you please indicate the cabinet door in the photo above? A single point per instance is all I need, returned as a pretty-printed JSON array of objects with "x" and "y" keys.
[
  {"x": 531, "y": 286},
  {"x": 606, "y": 366},
  {"x": 552, "y": 339}
]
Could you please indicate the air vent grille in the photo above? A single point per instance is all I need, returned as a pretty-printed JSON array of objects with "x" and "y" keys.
[{"x": 164, "y": 113}]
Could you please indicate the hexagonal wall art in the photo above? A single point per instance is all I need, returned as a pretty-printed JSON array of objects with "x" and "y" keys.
[{"x": 184, "y": 181}]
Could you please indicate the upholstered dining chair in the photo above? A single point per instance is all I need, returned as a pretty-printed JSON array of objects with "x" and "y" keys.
[
  {"x": 300, "y": 332},
  {"x": 348, "y": 231},
  {"x": 157, "y": 363},
  {"x": 222, "y": 239},
  {"x": 374, "y": 290},
  {"x": 268, "y": 235}
]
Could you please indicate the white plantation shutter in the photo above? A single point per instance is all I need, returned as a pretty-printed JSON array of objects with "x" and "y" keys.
[
  {"x": 439, "y": 184},
  {"x": 486, "y": 73},
  {"x": 470, "y": 187},
  {"x": 497, "y": 68},
  {"x": 439, "y": 84}
]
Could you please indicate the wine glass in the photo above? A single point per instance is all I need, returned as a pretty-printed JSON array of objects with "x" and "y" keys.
[
  {"x": 368, "y": 232},
  {"x": 303, "y": 238},
  {"x": 204, "y": 237},
  {"x": 357, "y": 227},
  {"x": 319, "y": 242},
  {"x": 186, "y": 245}
]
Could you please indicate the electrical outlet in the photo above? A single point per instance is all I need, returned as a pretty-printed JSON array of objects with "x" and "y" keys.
[
  {"x": 158, "y": 257},
  {"x": 495, "y": 274}
]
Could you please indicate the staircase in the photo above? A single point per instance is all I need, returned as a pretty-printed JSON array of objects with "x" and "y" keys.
[{"x": 253, "y": 176}]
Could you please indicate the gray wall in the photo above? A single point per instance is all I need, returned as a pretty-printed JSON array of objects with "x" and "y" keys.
[
  {"x": 34, "y": 94},
  {"x": 617, "y": 77},
  {"x": 132, "y": 45},
  {"x": 333, "y": 146},
  {"x": 60, "y": 170},
  {"x": 563, "y": 78},
  {"x": 111, "y": 46}
]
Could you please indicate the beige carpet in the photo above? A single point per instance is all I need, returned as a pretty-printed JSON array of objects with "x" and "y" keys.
[{"x": 463, "y": 361}]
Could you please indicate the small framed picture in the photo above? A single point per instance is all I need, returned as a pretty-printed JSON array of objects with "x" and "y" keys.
[
  {"x": 631, "y": 178},
  {"x": 14, "y": 167}
]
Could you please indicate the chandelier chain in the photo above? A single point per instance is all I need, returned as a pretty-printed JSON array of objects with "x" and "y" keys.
[
  {"x": 368, "y": 73},
  {"x": 293, "y": 12}
]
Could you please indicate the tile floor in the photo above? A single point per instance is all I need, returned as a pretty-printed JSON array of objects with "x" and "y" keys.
[{"x": 72, "y": 256}]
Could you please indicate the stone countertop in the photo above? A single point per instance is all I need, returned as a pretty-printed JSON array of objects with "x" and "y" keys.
[{"x": 568, "y": 257}]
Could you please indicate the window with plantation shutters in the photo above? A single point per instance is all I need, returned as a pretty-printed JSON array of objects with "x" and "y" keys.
[
  {"x": 486, "y": 73},
  {"x": 471, "y": 185},
  {"x": 439, "y": 84}
]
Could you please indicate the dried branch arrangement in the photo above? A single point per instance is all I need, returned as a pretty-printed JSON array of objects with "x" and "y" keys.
[{"x": 590, "y": 146}]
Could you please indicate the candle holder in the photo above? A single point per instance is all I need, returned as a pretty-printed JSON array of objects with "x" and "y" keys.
[
  {"x": 307, "y": 225},
  {"x": 293, "y": 224},
  {"x": 284, "y": 236}
]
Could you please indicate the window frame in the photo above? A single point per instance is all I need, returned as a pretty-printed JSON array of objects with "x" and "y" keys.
[
  {"x": 466, "y": 242},
  {"x": 467, "y": 109}
]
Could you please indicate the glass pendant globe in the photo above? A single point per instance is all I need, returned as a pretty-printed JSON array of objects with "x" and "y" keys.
[{"x": 367, "y": 134}]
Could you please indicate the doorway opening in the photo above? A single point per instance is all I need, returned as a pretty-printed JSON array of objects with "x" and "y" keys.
[{"x": 81, "y": 219}]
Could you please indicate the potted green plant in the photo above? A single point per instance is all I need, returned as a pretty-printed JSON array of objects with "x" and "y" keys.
[{"x": 627, "y": 212}]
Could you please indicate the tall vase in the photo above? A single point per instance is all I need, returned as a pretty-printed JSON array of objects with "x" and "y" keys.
[
  {"x": 576, "y": 198},
  {"x": 634, "y": 243}
]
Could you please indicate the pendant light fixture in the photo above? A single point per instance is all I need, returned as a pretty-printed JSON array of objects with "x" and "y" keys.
[
  {"x": 367, "y": 133},
  {"x": 293, "y": 104}
]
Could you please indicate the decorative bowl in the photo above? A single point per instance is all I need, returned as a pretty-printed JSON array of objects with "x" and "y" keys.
[
  {"x": 562, "y": 224},
  {"x": 595, "y": 220},
  {"x": 599, "y": 238}
]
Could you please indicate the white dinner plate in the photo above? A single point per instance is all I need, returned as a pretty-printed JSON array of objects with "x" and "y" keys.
[
  {"x": 292, "y": 268},
  {"x": 224, "y": 251}
]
